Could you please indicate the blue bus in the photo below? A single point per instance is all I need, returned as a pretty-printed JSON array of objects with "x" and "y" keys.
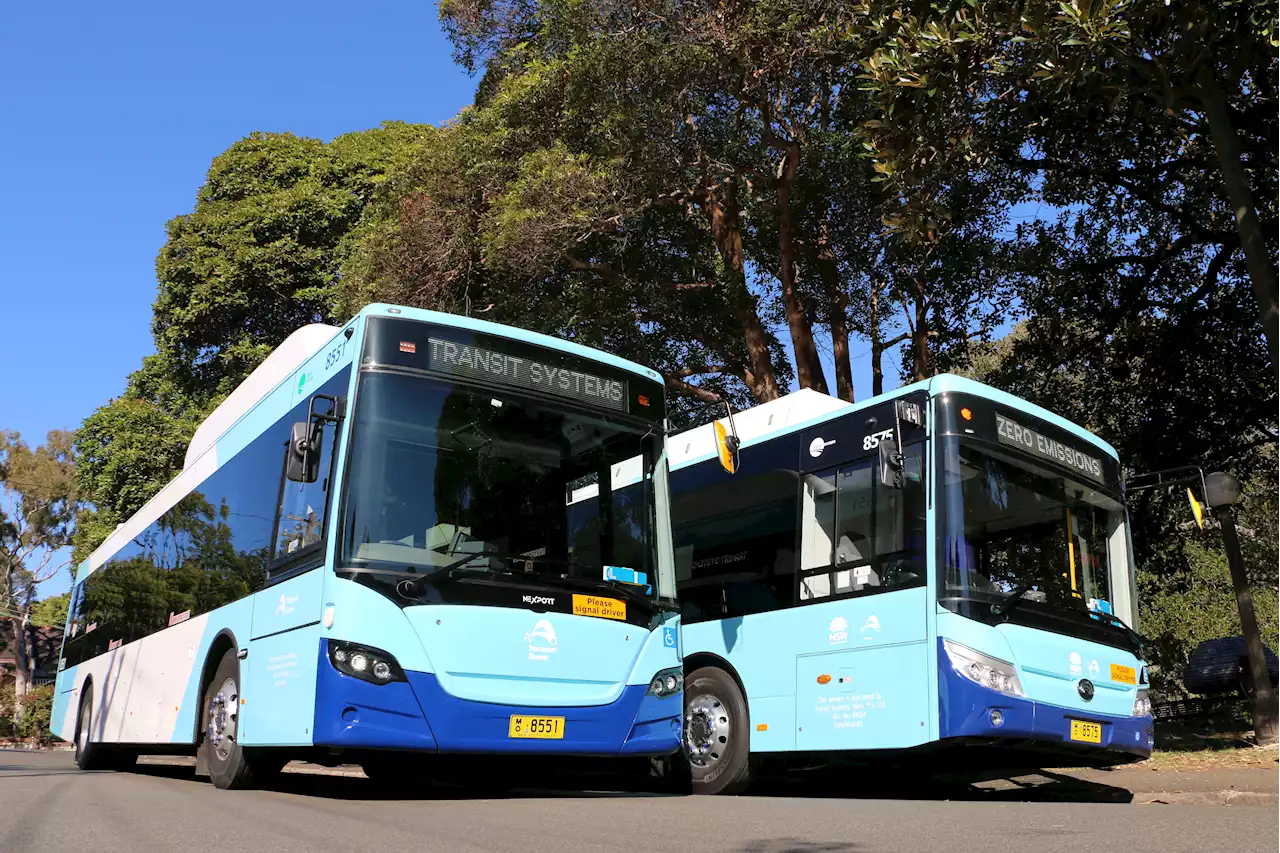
[
  {"x": 370, "y": 556},
  {"x": 943, "y": 565}
]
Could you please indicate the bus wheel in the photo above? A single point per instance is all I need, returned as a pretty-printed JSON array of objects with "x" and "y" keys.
[
  {"x": 715, "y": 732},
  {"x": 89, "y": 755},
  {"x": 229, "y": 766}
]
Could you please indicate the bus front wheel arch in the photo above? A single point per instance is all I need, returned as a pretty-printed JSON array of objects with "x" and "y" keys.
[{"x": 716, "y": 743}]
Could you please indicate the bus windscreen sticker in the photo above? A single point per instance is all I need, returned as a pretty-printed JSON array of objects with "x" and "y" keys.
[
  {"x": 1017, "y": 435},
  {"x": 480, "y": 363}
]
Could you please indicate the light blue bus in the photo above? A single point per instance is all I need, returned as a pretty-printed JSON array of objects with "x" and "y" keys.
[
  {"x": 371, "y": 556},
  {"x": 945, "y": 565}
]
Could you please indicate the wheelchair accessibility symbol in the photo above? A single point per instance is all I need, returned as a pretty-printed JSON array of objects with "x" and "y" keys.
[{"x": 669, "y": 637}]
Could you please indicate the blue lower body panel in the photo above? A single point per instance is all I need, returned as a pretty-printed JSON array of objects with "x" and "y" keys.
[
  {"x": 420, "y": 715},
  {"x": 965, "y": 712}
]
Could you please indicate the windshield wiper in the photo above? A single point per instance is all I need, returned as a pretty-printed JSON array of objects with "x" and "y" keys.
[
  {"x": 1133, "y": 635},
  {"x": 1012, "y": 600},
  {"x": 457, "y": 564}
]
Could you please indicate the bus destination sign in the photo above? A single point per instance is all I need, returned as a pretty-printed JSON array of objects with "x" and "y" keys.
[
  {"x": 479, "y": 363},
  {"x": 1017, "y": 435}
]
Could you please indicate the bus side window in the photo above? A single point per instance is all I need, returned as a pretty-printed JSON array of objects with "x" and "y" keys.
[
  {"x": 302, "y": 505},
  {"x": 859, "y": 536}
]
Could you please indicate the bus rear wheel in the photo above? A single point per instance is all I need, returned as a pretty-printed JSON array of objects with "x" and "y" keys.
[
  {"x": 89, "y": 755},
  {"x": 716, "y": 743}
]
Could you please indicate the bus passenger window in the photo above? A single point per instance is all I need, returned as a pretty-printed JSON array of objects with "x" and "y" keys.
[{"x": 735, "y": 546}]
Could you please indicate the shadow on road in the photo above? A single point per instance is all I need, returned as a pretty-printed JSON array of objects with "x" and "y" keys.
[
  {"x": 798, "y": 845},
  {"x": 867, "y": 781},
  {"x": 359, "y": 788},
  {"x": 839, "y": 783},
  {"x": 1041, "y": 786}
]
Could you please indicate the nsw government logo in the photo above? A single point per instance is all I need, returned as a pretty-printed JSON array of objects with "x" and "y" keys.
[
  {"x": 838, "y": 631},
  {"x": 542, "y": 640}
]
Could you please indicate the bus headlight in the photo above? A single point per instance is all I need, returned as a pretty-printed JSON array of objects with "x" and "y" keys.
[
  {"x": 364, "y": 662},
  {"x": 1142, "y": 704},
  {"x": 990, "y": 672},
  {"x": 666, "y": 683}
]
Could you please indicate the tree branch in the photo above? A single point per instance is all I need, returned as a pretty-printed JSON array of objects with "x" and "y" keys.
[{"x": 683, "y": 387}]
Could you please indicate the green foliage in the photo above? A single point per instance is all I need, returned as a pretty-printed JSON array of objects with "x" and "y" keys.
[
  {"x": 37, "y": 710},
  {"x": 259, "y": 255},
  {"x": 51, "y": 612},
  {"x": 1189, "y": 603},
  {"x": 8, "y": 728}
]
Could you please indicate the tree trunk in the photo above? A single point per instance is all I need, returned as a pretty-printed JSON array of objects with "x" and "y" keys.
[
  {"x": 923, "y": 368},
  {"x": 804, "y": 348},
  {"x": 838, "y": 306},
  {"x": 877, "y": 343},
  {"x": 726, "y": 230},
  {"x": 21, "y": 661},
  {"x": 1258, "y": 260}
]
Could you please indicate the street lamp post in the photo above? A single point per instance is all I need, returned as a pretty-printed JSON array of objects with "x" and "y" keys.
[{"x": 1222, "y": 491}]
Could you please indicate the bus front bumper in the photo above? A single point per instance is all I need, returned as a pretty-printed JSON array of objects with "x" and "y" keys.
[
  {"x": 971, "y": 711},
  {"x": 418, "y": 714}
]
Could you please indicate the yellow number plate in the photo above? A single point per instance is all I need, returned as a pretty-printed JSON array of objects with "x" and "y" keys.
[
  {"x": 1123, "y": 674},
  {"x": 594, "y": 605},
  {"x": 1086, "y": 732},
  {"x": 546, "y": 728}
]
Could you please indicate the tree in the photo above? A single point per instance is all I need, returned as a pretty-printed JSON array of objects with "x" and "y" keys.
[
  {"x": 675, "y": 182},
  {"x": 51, "y": 612},
  {"x": 1140, "y": 96},
  {"x": 35, "y": 530},
  {"x": 259, "y": 255}
]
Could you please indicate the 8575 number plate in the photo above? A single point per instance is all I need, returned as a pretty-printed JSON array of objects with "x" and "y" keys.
[{"x": 546, "y": 728}]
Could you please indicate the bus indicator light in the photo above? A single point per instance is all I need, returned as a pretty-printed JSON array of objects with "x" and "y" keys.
[
  {"x": 408, "y": 346},
  {"x": 762, "y": 727},
  {"x": 642, "y": 399},
  {"x": 824, "y": 679},
  {"x": 967, "y": 414}
]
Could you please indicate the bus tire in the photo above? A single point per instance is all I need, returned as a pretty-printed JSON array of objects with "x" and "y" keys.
[
  {"x": 229, "y": 765},
  {"x": 716, "y": 739},
  {"x": 90, "y": 755}
]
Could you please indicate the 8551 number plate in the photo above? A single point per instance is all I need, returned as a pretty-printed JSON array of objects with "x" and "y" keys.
[{"x": 543, "y": 728}]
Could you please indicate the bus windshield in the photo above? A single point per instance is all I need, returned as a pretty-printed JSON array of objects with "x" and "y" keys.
[
  {"x": 450, "y": 481},
  {"x": 1022, "y": 538}
]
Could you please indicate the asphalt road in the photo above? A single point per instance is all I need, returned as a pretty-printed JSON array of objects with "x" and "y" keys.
[{"x": 46, "y": 804}]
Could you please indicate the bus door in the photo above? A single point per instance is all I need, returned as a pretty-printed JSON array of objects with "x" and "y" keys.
[{"x": 862, "y": 677}]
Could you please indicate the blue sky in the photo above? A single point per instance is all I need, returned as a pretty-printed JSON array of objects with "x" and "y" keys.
[{"x": 111, "y": 116}]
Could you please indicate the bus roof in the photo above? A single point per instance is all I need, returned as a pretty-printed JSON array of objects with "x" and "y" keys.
[
  {"x": 279, "y": 368},
  {"x": 805, "y": 408},
  {"x": 514, "y": 333}
]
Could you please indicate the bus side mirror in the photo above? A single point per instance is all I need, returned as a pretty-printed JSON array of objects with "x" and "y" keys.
[
  {"x": 302, "y": 465},
  {"x": 890, "y": 464},
  {"x": 1197, "y": 509},
  {"x": 727, "y": 446}
]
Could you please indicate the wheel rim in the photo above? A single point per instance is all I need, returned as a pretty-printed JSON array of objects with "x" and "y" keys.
[
  {"x": 707, "y": 729},
  {"x": 224, "y": 710}
]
